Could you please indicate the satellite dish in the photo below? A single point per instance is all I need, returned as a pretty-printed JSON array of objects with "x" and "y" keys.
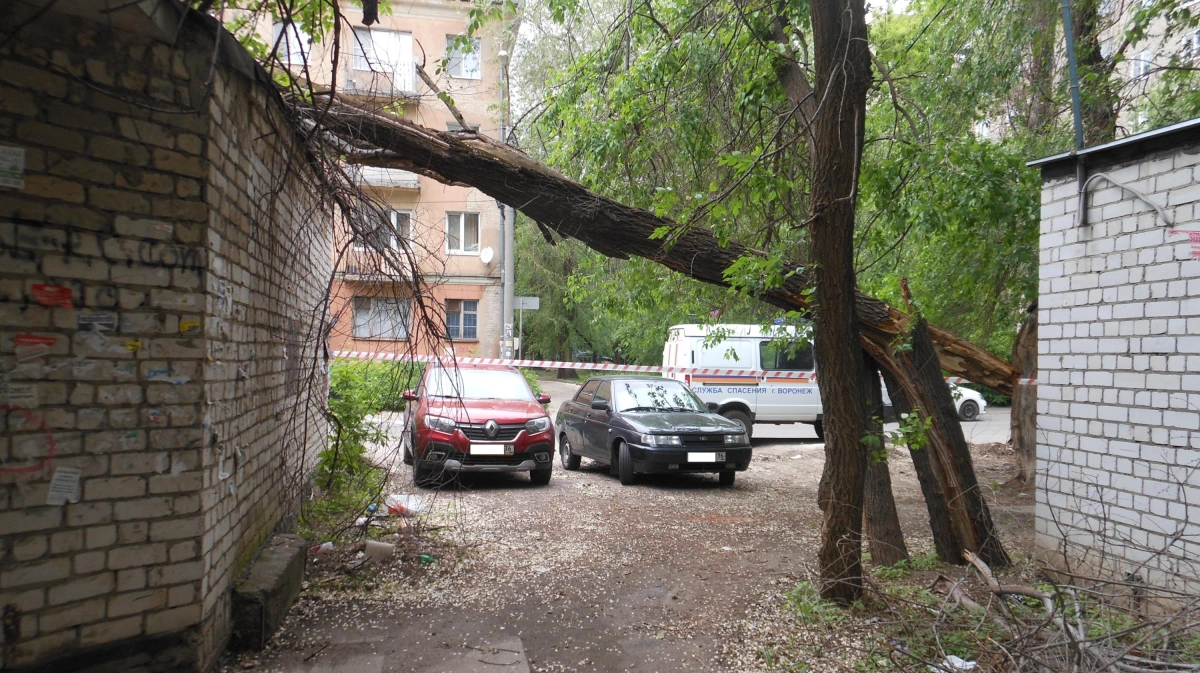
[{"x": 486, "y": 255}]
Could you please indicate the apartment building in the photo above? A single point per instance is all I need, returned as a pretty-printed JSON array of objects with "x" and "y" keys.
[
  {"x": 454, "y": 233},
  {"x": 1168, "y": 44}
]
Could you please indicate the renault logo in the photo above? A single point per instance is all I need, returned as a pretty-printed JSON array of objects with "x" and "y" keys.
[{"x": 491, "y": 429}]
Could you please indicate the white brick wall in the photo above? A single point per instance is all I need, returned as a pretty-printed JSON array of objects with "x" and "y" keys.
[{"x": 1118, "y": 409}]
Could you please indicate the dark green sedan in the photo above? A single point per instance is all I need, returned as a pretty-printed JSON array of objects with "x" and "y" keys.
[{"x": 642, "y": 425}]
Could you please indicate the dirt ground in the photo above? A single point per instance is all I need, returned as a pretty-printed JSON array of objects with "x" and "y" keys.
[{"x": 674, "y": 574}]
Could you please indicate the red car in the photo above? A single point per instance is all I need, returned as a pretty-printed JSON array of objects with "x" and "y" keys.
[{"x": 477, "y": 418}]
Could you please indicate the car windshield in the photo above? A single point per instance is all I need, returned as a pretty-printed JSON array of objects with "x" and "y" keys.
[
  {"x": 654, "y": 395},
  {"x": 478, "y": 384}
]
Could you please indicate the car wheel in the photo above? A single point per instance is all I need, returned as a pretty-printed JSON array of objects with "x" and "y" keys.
[
  {"x": 740, "y": 417},
  {"x": 625, "y": 465},
  {"x": 569, "y": 460},
  {"x": 727, "y": 477},
  {"x": 969, "y": 410},
  {"x": 819, "y": 426},
  {"x": 540, "y": 477},
  {"x": 424, "y": 476},
  {"x": 406, "y": 443}
]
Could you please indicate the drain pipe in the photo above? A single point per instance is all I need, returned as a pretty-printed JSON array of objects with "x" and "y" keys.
[{"x": 1073, "y": 74}]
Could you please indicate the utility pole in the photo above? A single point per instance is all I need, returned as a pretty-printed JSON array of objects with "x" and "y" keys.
[{"x": 508, "y": 221}]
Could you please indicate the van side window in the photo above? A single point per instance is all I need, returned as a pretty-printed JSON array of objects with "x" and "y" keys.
[
  {"x": 776, "y": 358},
  {"x": 587, "y": 392}
]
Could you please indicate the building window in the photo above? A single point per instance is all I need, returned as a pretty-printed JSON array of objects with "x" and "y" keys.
[
  {"x": 387, "y": 52},
  {"x": 462, "y": 233},
  {"x": 397, "y": 227},
  {"x": 462, "y": 319},
  {"x": 381, "y": 318},
  {"x": 293, "y": 44},
  {"x": 1191, "y": 46},
  {"x": 1142, "y": 64},
  {"x": 464, "y": 57}
]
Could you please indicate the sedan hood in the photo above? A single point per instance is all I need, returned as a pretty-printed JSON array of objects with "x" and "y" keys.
[
  {"x": 481, "y": 411},
  {"x": 679, "y": 421}
]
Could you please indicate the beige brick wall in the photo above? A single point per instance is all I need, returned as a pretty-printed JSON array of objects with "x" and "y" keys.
[{"x": 177, "y": 209}]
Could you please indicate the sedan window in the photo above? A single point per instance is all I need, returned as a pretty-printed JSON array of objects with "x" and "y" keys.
[
  {"x": 587, "y": 392},
  {"x": 653, "y": 395}
]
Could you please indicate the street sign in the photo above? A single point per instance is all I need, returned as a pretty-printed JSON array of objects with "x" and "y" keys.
[{"x": 528, "y": 303}]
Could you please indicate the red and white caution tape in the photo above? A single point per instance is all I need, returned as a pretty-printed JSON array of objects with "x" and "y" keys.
[{"x": 605, "y": 366}]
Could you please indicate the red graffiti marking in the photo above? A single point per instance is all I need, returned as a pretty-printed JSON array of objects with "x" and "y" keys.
[{"x": 34, "y": 420}]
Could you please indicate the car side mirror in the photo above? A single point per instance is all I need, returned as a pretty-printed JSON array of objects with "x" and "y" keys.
[
  {"x": 600, "y": 405},
  {"x": 712, "y": 406},
  {"x": 543, "y": 399},
  {"x": 409, "y": 396}
]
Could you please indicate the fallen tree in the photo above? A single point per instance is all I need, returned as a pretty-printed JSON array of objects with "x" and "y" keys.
[{"x": 560, "y": 205}]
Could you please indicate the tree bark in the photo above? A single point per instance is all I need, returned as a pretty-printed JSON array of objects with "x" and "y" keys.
[
  {"x": 881, "y": 522},
  {"x": 924, "y": 387},
  {"x": 607, "y": 226},
  {"x": 843, "y": 72},
  {"x": 945, "y": 540},
  {"x": 1024, "y": 398},
  {"x": 1097, "y": 91}
]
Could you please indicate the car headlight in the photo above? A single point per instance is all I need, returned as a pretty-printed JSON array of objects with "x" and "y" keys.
[
  {"x": 439, "y": 423},
  {"x": 538, "y": 425},
  {"x": 735, "y": 439},
  {"x": 662, "y": 440}
]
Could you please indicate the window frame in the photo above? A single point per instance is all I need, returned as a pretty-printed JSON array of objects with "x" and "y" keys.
[
  {"x": 462, "y": 231},
  {"x": 453, "y": 53},
  {"x": 404, "y": 305},
  {"x": 461, "y": 324},
  {"x": 359, "y": 245},
  {"x": 288, "y": 30},
  {"x": 362, "y": 62}
]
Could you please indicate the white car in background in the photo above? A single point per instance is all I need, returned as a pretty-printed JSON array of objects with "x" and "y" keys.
[{"x": 969, "y": 403}]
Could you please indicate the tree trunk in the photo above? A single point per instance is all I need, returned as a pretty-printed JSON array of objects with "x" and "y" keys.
[
  {"x": 607, "y": 226},
  {"x": 1044, "y": 17},
  {"x": 843, "y": 70},
  {"x": 945, "y": 540},
  {"x": 926, "y": 389},
  {"x": 881, "y": 523},
  {"x": 1098, "y": 93},
  {"x": 1024, "y": 398}
]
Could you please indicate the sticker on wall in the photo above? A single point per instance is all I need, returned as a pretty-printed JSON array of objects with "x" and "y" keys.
[
  {"x": 22, "y": 395},
  {"x": 189, "y": 327},
  {"x": 53, "y": 295},
  {"x": 64, "y": 486},
  {"x": 154, "y": 415},
  {"x": 133, "y": 346},
  {"x": 96, "y": 322},
  {"x": 130, "y": 440},
  {"x": 32, "y": 346},
  {"x": 1193, "y": 236},
  {"x": 12, "y": 167}
]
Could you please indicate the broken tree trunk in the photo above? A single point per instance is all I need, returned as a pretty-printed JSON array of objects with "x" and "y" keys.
[
  {"x": 611, "y": 228},
  {"x": 881, "y": 522},
  {"x": 916, "y": 372},
  {"x": 945, "y": 540},
  {"x": 1024, "y": 398}
]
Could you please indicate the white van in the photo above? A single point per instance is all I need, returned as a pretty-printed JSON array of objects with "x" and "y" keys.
[{"x": 747, "y": 398}]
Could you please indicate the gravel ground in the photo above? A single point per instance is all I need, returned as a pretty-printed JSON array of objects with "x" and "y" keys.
[{"x": 673, "y": 574}]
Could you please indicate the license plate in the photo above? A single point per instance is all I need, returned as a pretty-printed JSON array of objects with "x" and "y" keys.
[
  {"x": 492, "y": 450},
  {"x": 706, "y": 457}
]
